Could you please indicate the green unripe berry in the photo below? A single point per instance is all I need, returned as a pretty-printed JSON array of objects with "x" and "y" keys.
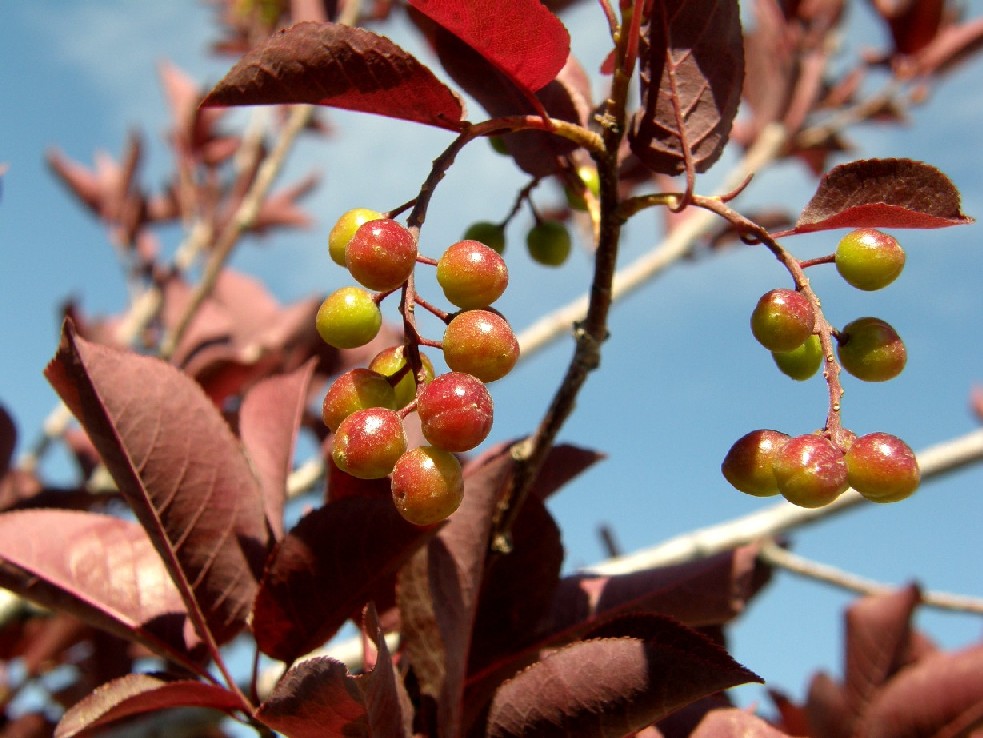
[
  {"x": 348, "y": 318},
  {"x": 810, "y": 471},
  {"x": 472, "y": 275},
  {"x": 390, "y": 362},
  {"x": 590, "y": 181},
  {"x": 488, "y": 233},
  {"x": 748, "y": 464},
  {"x": 549, "y": 243},
  {"x": 869, "y": 259},
  {"x": 368, "y": 443},
  {"x": 882, "y": 468},
  {"x": 427, "y": 485},
  {"x": 344, "y": 229},
  {"x": 498, "y": 145},
  {"x": 782, "y": 320},
  {"x": 871, "y": 350},
  {"x": 800, "y": 363},
  {"x": 356, "y": 390}
]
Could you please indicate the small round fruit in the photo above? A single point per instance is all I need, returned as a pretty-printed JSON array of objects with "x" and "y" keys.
[
  {"x": 810, "y": 471},
  {"x": 882, "y": 468},
  {"x": 549, "y": 243},
  {"x": 472, "y": 275},
  {"x": 455, "y": 411},
  {"x": 800, "y": 363},
  {"x": 381, "y": 254},
  {"x": 869, "y": 259},
  {"x": 356, "y": 390},
  {"x": 480, "y": 343},
  {"x": 588, "y": 175},
  {"x": 348, "y": 318},
  {"x": 345, "y": 228},
  {"x": 427, "y": 485},
  {"x": 871, "y": 350},
  {"x": 488, "y": 233},
  {"x": 390, "y": 362},
  {"x": 782, "y": 320},
  {"x": 368, "y": 443},
  {"x": 748, "y": 464}
]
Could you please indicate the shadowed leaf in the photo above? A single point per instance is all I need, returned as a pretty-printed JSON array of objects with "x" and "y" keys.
[
  {"x": 826, "y": 708},
  {"x": 135, "y": 694},
  {"x": 342, "y": 67},
  {"x": 882, "y": 193},
  {"x": 388, "y": 705},
  {"x": 177, "y": 463},
  {"x": 8, "y": 439},
  {"x": 692, "y": 71},
  {"x": 326, "y": 568}
]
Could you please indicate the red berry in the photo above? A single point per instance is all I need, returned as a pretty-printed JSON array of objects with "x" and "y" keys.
[
  {"x": 869, "y": 259},
  {"x": 368, "y": 443},
  {"x": 345, "y": 228},
  {"x": 782, "y": 320},
  {"x": 472, "y": 275},
  {"x": 748, "y": 464},
  {"x": 390, "y": 362},
  {"x": 381, "y": 255},
  {"x": 480, "y": 343},
  {"x": 427, "y": 485},
  {"x": 455, "y": 411},
  {"x": 810, "y": 471},
  {"x": 882, "y": 468},
  {"x": 871, "y": 350},
  {"x": 356, "y": 390}
]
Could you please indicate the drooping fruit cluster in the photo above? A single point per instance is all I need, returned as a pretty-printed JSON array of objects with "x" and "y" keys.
[
  {"x": 783, "y": 322},
  {"x": 365, "y": 407}
]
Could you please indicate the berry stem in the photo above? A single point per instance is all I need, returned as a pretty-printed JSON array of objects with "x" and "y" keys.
[{"x": 828, "y": 259}]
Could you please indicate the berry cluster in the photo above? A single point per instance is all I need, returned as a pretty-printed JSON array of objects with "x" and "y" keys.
[
  {"x": 813, "y": 470},
  {"x": 365, "y": 407}
]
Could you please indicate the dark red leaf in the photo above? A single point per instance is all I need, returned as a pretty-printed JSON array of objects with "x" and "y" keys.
[
  {"x": 135, "y": 694},
  {"x": 387, "y": 703},
  {"x": 325, "y": 569},
  {"x": 342, "y": 67},
  {"x": 268, "y": 423},
  {"x": 520, "y": 38},
  {"x": 101, "y": 569},
  {"x": 882, "y": 193},
  {"x": 692, "y": 71},
  {"x": 8, "y": 439},
  {"x": 28, "y": 725},
  {"x": 826, "y": 708},
  {"x": 177, "y": 463},
  {"x": 953, "y": 45},
  {"x": 612, "y": 686},
  {"x": 564, "y": 463},
  {"x": 734, "y": 723},
  {"x": 913, "y": 25}
]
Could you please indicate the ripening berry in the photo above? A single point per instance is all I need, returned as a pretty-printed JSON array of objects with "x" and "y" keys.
[
  {"x": 390, "y": 362},
  {"x": 800, "y": 363},
  {"x": 549, "y": 243},
  {"x": 348, "y": 318},
  {"x": 455, "y": 411},
  {"x": 480, "y": 343},
  {"x": 472, "y": 275},
  {"x": 810, "y": 471},
  {"x": 782, "y": 320},
  {"x": 381, "y": 255},
  {"x": 345, "y": 228},
  {"x": 356, "y": 390},
  {"x": 368, "y": 443},
  {"x": 871, "y": 350},
  {"x": 488, "y": 233},
  {"x": 869, "y": 259},
  {"x": 427, "y": 485},
  {"x": 882, "y": 468},
  {"x": 748, "y": 464}
]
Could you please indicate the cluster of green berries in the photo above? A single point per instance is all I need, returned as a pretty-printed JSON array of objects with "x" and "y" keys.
[
  {"x": 549, "y": 242},
  {"x": 365, "y": 407},
  {"x": 811, "y": 470}
]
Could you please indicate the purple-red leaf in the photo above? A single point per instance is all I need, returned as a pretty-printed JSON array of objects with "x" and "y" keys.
[
  {"x": 177, "y": 463},
  {"x": 8, "y": 439},
  {"x": 325, "y": 569},
  {"x": 520, "y": 38},
  {"x": 268, "y": 423},
  {"x": 613, "y": 686},
  {"x": 882, "y": 193},
  {"x": 387, "y": 702},
  {"x": 692, "y": 71},
  {"x": 101, "y": 569},
  {"x": 342, "y": 67},
  {"x": 135, "y": 694}
]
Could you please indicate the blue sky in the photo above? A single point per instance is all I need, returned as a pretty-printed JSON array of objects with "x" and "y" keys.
[{"x": 681, "y": 378}]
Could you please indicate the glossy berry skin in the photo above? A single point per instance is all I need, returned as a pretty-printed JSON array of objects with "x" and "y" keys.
[
  {"x": 871, "y": 350},
  {"x": 869, "y": 259},
  {"x": 356, "y": 390},
  {"x": 381, "y": 255},
  {"x": 882, "y": 468},
  {"x": 748, "y": 464},
  {"x": 390, "y": 362},
  {"x": 480, "y": 343},
  {"x": 427, "y": 485},
  {"x": 782, "y": 320},
  {"x": 549, "y": 243},
  {"x": 800, "y": 363},
  {"x": 348, "y": 318},
  {"x": 368, "y": 443},
  {"x": 455, "y": 412},
  {"x": 488, "y": 233},
  {"x": 810, "y": 471},
  {"x": 343, "y": 230},
  {"x": 472, "y": 275}
]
